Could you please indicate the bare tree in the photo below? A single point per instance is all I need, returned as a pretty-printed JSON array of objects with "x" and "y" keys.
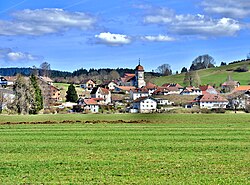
[
  {"x": 45, "y": 69},
  {"x": 192, "y": 78},
  {"x": 164, "y": 69},
  {"x": 114, "y": 75},
  {"x": 202, "y": 62}
]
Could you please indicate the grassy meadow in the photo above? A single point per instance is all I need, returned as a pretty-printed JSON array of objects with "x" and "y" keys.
[
  {"x": 212, "y": 76},
  {"x": 159, "y": 149}
]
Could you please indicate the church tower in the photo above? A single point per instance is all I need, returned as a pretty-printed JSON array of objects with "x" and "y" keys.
[{"x": 139, "y": 75}]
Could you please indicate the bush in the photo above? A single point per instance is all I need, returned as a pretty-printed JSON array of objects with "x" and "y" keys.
[{"x": 247, "y": 110}]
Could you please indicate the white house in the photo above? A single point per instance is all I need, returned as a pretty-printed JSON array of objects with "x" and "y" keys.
[
  {"x": 109, "y": 85},
  {"x": 88, "y": 84},
  {"x": 162, "y": 101},
  {"x": 91, "y": 105},
  {"x": 191, "y": 91},
  {"x": 212, "y": 101},
  {"x": 101, "y": 93},
  {"x": 145, "y": 104},
  {"x": 137, "y": 93}
]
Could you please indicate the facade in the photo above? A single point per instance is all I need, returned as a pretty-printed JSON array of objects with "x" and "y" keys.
[
  {"x": 208, "y": 89},
  {"x": 145, "y": 105},
  {"x": 138, "y": 92},
  {"x": 88, "y": 85},
  {"x": 104, "y": 95},
  {"x": 90, "y": 105},
  {"x": 55, "y": 93},
  {"x": 212, "y": 101}
]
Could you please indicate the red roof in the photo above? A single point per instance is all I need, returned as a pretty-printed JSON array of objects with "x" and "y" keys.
[
  {"x": 104, "y": 91},
  {"x": 140, "y": 90},
  {"x": 242, "y": 88},
  {"x": 151, "y": 86},
  {"x": 212, "y": 98},
  {"x": 90, "y": 101},
  {"x": 126, "y": 88},
  {"x": 143, "y": 98}
]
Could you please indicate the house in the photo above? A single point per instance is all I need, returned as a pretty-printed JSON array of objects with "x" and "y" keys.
[
  {"x": 90, "y": 105},
  {"x": 229, "y": 85},
  {"x": 145, "y": 105},
  {"x": 123, "y": 89},
  {"x": 55, "y": 93},
  {"x": 163, "y": 101},
  {"x": 101, "y": 93},
  {"x": 211, "y": 101},
  {"x": 127, "y": 80},
  {"x": 88, "y": 84},
  {"x": 10, "y": 80},
  {"x": 138, "y": 92},
  {"x": 161, "y": 91},
  {"x": 191, "y": 91},
  {"x": 151, "y": 88},
  {"x": 109, "y": 85},
  {"x": 3, "y": 81},
  {"x": 46, "y": 79},
  {"x": 208, "y": 89}
]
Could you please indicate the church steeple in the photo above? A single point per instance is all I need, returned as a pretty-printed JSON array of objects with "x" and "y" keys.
[{"x": 139, "y": 74}]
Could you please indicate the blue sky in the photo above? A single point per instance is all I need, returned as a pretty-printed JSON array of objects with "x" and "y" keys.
[{"x": 99, "y": 34}]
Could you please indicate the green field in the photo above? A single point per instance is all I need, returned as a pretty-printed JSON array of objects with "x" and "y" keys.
[
  {"x": 211, "y": 76},
  {"x": 160, "y": 149}
]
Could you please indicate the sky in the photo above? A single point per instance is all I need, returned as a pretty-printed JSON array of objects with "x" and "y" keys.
[{"x": 75, "y": 34}]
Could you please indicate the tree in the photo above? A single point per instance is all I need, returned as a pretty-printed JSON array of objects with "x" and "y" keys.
[
  {"x": 114, "y": 75},
  {"x": 248, "y": 56},
  {"x": 24, "y": 102},
  {"x": 71, "y": 95},
  {"x": 192, "y": 79},
  {"x": 45, "y": 69},
  {"x": 223, "y": 64},
  {"x": 202, "y": 62},
  {"x": 164, "y": 69},
  {"x": 184, "y": 70},
  {"x": 38, "y": 104}
]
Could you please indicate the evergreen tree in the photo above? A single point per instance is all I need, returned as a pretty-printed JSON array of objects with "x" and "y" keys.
[
  {"x": 38, "y": 104},
  {"x": 71, "y": 94}
]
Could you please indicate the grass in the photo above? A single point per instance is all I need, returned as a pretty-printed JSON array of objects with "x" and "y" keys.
[
  {"x": 64, "y": 87},
  {"x": 211, "y": 76},
  {"x": 170, "y": 149}
]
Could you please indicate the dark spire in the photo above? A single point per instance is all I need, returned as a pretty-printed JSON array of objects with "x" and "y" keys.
[{"x": 139, "y": 61}]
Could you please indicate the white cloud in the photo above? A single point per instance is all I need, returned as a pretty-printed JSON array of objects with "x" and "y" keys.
[
  {"x": 9, "y": 55},
  {"x": 45, "y": 21},
  {"x": 198, "y": 25},
  {"x": 158, "y": 38},
  {"x": 229, "y": 8},
  {"x": 113, "y": 39}
]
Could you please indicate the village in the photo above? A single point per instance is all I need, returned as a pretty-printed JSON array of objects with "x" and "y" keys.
[{"x": 132, "y": 94}]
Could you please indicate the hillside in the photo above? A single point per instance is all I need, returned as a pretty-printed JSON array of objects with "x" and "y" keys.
[{"x": 211, "y": 76}]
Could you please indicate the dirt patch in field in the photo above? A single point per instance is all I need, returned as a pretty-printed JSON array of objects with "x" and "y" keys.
[{"x": 76, "y": 121}]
